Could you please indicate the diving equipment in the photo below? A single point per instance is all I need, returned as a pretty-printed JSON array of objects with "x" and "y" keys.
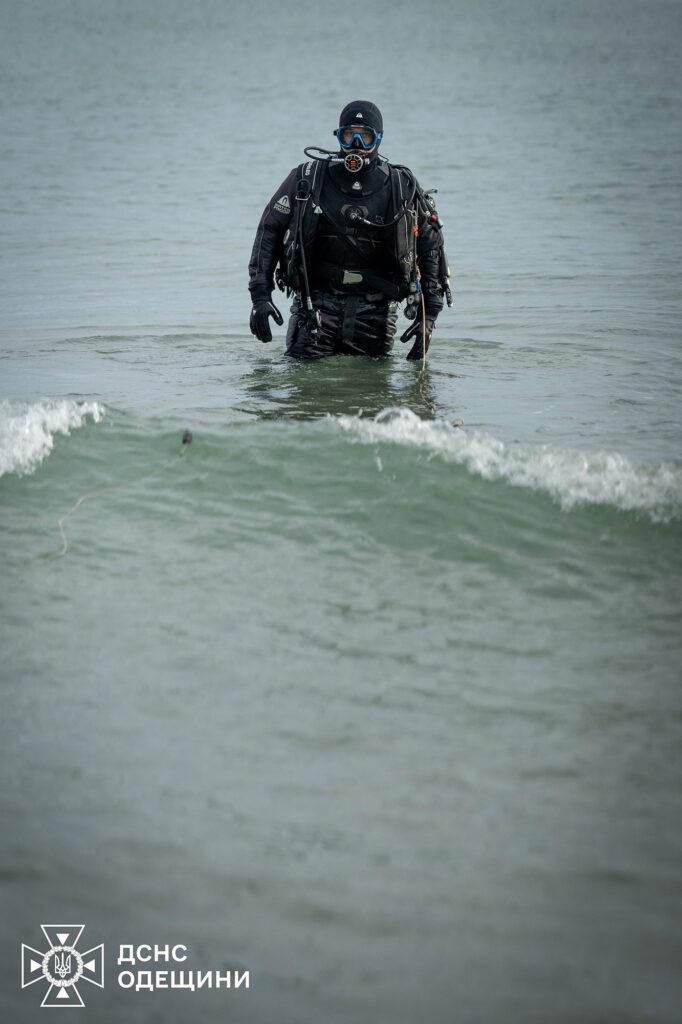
[
  {"x": 351, "y": 236},
  {"x": 358, "y": 136}
]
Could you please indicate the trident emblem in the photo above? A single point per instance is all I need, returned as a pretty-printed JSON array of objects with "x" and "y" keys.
[{"x": 62, "y": 965}]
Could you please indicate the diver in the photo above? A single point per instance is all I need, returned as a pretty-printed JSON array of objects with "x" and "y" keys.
[{"x": 350, "y": 236}]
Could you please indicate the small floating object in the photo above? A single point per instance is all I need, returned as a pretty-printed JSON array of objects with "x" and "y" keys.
[
  {"x": 187, "y": 437},
  {"x": 456, "y": 423}
]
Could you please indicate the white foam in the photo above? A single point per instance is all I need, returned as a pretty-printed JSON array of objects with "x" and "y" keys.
[
  {"x": 28, "y": 430},
  {"x": 571, "y": 477}
]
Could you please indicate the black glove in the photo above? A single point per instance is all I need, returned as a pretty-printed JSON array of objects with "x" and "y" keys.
[
  {"x": 415, "y": 330},
  {"x": 259, "y": 323}
]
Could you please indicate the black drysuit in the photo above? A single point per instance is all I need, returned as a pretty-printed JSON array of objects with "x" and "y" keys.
[{"x": 356, "y": 316}]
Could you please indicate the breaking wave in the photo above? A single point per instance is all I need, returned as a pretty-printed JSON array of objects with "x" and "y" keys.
[
  {"x": 572, "y": 478},
  {"x": 28, "y": 430}
]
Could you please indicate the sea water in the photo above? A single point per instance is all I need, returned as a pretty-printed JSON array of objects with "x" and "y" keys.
[{"x": 373, "y": 689}]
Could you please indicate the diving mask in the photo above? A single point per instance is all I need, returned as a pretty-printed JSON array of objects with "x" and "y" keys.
[{"x": 358, "y": 136}]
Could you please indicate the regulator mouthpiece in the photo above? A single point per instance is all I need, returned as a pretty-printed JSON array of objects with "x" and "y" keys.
[{"x": 354, "y": 162}]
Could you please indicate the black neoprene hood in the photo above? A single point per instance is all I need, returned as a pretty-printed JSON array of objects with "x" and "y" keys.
[{"x": 362, "y": 112}]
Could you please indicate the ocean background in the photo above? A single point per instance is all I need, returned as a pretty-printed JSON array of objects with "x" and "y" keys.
[{"x": 384, "y": 709}]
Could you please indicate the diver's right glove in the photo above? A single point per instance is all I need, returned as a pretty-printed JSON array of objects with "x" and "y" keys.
[
  {"x": 416, "y": 331},
  {"x": 259, "y": 324}
]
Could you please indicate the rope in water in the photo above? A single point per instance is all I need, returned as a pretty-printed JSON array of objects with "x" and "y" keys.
[
  {"x": 186, "y": 439},
  {"x": 423, "y": 333}
]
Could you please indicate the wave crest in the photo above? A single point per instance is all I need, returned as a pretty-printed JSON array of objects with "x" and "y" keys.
[
  {"x": 570, "y": 477},
  {"x": 28, "y": 430}
]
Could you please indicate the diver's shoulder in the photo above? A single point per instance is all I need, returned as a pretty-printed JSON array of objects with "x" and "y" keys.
[
  {"x": 400, "y": 169},
  {"x": 310, "y": 167}
]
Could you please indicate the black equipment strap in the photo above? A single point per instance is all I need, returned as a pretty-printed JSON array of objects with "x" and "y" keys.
[{"x": 350, "y": 311}]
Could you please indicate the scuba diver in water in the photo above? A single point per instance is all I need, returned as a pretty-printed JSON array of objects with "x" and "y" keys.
[{"x": 350, "y": 235}]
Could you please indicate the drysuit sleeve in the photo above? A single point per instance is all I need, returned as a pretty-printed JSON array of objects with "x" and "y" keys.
[
  {"x": 430, "y": 260},
  {"x": 268, "y": 245}
]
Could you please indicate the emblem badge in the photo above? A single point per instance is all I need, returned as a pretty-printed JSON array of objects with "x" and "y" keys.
[{"x": 62, "y": 966}]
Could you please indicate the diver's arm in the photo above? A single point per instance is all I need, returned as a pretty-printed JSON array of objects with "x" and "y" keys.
[
  {"x": 269, "y": 242},
  {"x": 422, "y": 326},
  {"x": 430, "y": 260},
  {"x": 429, "y": 268},
  {"x": 429, "y": 255}
]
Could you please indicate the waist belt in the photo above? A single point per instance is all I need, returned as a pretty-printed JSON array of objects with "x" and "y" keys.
[{"x": 359, "y": 276}]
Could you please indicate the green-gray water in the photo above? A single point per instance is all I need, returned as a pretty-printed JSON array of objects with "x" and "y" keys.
[{"x": 383, "y": 709}]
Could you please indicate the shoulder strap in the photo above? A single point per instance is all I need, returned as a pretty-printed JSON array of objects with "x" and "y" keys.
[
  {"x": 403, "y": 241},
  {"x": 310, "y": 173}
]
